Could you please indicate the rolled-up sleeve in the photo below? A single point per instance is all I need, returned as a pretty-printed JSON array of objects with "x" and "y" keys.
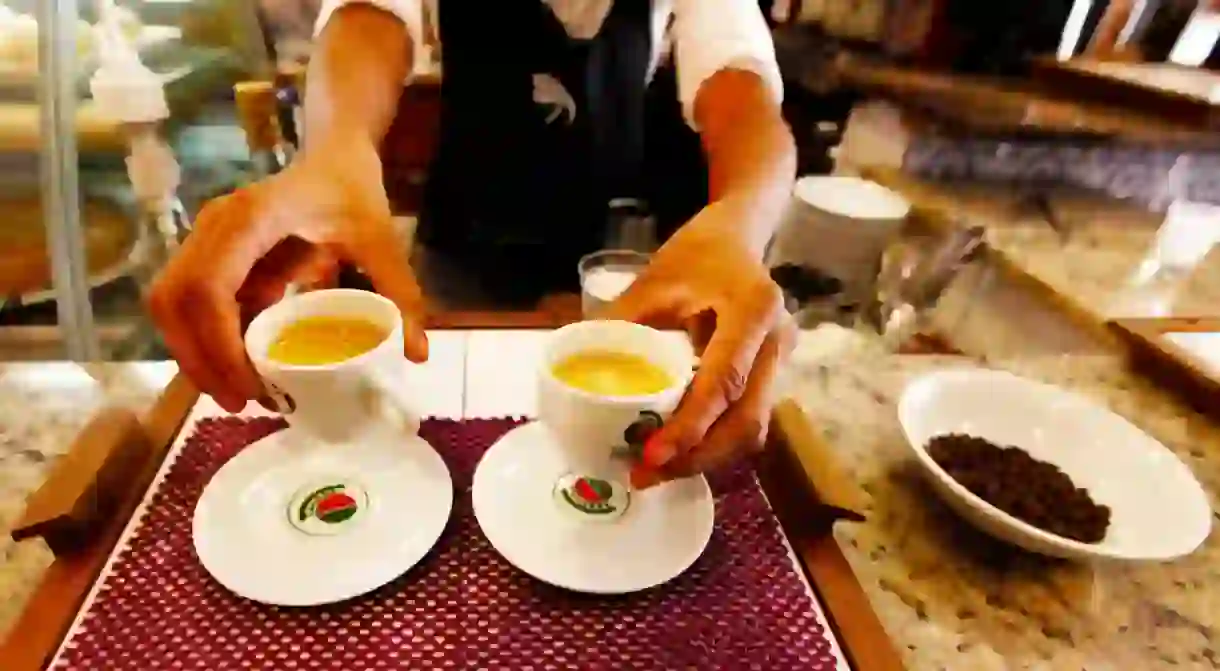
[
  {"x": 713, "y": 35},
  {"x": 410, "y": 12}
]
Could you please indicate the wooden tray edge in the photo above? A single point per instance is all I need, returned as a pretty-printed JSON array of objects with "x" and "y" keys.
[
  {"x": 1151, "y": 355},
  {"x": 52, "y": 608},
  {"x": 808, "y": 523}
]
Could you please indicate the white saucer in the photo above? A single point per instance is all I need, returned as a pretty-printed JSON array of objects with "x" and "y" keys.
[
  {"x": 293, "y": 522},
  {"x": 656, "y": 536}
]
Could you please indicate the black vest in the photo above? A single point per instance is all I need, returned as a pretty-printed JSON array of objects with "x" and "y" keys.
[{"x": 516, "y": 195}]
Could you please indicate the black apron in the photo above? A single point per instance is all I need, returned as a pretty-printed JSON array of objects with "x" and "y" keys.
[{"x": 518, "y": 200}]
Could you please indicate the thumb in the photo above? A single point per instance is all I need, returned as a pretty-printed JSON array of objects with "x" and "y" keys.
[{"x": 380, "y": 256}]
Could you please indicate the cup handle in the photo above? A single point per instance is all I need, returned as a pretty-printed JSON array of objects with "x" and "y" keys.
[{"x": 389, "y": 389}]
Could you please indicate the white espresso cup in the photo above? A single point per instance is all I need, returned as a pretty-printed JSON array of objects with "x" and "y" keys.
[
  {"x": 840, "y": 226},
  {"x": 337, "y": 402},
  {"x": 590, "y": 428}
]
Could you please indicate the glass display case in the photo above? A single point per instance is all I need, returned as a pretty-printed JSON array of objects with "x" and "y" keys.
[{"x": 79, "y": 242}]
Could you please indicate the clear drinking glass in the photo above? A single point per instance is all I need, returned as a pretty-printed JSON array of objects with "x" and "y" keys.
[
  {"x": 606, "y": 274},
  {"x": 920, "y": 277},
  {"x": 630, "y": 226}
]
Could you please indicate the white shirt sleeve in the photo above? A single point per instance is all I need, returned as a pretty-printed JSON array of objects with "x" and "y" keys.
[
  {"x": 410, "y": 12},
  {"x": 712, "y": 35}
]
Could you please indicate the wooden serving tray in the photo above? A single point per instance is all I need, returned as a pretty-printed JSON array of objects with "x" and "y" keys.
[
  {"x": 88, "y": 500},
  {"x": 1153, "y": 354}
]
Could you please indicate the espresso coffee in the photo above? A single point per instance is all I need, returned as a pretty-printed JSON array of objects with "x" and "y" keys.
[
  {"x": 318, "y": 341},
  {"x": 611, "y": 373}
]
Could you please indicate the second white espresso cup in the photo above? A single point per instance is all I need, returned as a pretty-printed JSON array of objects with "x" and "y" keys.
[
  {"x": 590, "y": 428},
  {"x": 337, "y": 402}
]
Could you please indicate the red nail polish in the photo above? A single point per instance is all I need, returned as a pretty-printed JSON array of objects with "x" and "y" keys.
[
  {"x": 656, "y": 452},
  {"x": 643, "y": 478}
]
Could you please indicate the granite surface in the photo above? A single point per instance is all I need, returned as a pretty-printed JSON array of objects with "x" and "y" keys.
[
  {"x": 42, "y": 407},
  {"x": 951, "y": 598},
  {"x": 1091, "y": 263}
]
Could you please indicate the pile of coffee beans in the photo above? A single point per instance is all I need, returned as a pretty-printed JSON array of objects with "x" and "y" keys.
[{"x": 1033, "y": 491}]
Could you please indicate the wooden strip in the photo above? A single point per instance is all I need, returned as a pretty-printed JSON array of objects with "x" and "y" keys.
[
  {"x": 831, "y": 487},
  {"x": 52, "y": 608},
  {"x": 1155, "y": 357},
  {"x": 863, "y": 638},
  {"x": 807, "y": 508},
  {"x": 1143, "y": 88},
  {"x": 87, "y": 483}
]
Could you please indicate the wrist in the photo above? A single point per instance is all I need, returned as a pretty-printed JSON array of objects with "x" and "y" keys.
[
  {"x": 339, "y": 139},
  {"x": 748, "y": 219},
  {"x": 729, "y": 221}
]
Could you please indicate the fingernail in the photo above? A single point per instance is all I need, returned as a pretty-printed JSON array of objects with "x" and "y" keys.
[
  {"x": 231, "y": 404},
  {"x": 643, "y": 477},
  {"x": 657, "y": 452},
  {"x": 417, "y": 344}
]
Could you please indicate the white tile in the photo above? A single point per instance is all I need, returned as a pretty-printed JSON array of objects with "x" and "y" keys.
[
  {"x": 500, "y": 368},
  {"x": 443, "y": 376}
]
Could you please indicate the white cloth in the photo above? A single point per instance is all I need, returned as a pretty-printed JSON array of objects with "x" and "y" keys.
[{"x": 707, "y": 36}]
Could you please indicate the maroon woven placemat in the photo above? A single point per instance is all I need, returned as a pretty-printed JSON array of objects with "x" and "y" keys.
[{"x": 742, "y": 605}]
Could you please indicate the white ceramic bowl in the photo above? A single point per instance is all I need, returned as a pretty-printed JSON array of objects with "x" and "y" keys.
[{"x": 1159, "y": 511}]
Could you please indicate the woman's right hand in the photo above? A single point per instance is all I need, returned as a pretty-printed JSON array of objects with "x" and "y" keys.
[{"x": 246, "y": 247}]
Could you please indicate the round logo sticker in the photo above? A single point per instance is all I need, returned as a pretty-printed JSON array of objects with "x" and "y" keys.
[
  {"x": 595, "y": 498},
  {"x": 327, "y": 509}
]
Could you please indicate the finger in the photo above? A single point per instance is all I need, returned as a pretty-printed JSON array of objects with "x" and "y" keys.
[
  {"x": 376, "y": 252},
  {"x": 216, "y": 267},
  {"x": 174, "y": 323},
  {"x": 647, "y": 301},
  {"x": 721, "y": 380},
  {"x": 742, "y": 430}
]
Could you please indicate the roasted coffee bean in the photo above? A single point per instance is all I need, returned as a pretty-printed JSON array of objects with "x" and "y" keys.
[{"x": 1034, "y": 491}]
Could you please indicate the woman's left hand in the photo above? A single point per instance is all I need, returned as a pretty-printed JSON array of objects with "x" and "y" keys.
[{"x": 707, "y": 280}]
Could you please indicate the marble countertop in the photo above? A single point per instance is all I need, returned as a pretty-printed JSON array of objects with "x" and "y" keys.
[
  {"x": 42, "y": 408},
  {"x": 949, "y": 598},
  {"x": 1093, "y": 265}
]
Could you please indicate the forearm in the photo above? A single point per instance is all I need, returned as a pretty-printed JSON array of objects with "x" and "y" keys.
[
  {"x": 356, "y": 75},
  {"x": 750, "y": 151}
]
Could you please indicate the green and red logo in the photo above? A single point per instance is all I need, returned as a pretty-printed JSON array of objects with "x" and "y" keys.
[
  {"x": 331, "y": 504},
  {"x": 591, "y": 495}
]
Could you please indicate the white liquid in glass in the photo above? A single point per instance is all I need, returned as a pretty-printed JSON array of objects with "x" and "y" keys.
[{"x": 606, "y": 284}]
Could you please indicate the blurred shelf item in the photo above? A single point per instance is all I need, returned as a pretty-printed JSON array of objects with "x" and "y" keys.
[
  {"x": 46, "y": 342},
  {"x": 112, "y": 246},
  {"x": 1028, "y": 107},
  {"x": 19, "y": 75},
  {"x": 195, "y": 74}
]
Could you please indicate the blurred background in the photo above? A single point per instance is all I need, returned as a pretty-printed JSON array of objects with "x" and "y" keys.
[{"x": 96, "y": 193}]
